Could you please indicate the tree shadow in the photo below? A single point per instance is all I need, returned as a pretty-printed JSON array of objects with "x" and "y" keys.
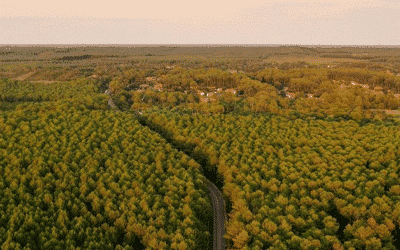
[
  {"x": 396, "y": 237},
  {"x": 343, "y": 222}
]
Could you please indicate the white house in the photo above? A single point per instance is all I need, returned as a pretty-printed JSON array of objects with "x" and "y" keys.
[
  {"x": 291, "y": 95},
  {"x": 231, "y": 90},
  {"x": 151, "y": 79}
]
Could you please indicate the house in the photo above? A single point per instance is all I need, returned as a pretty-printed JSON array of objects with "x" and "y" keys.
[
  {"x": 143, "y": 86},
  {"x": 219, "y": 90},
  {"x": 158, "y": 87},
  {"x": 231, "y": 90},
  {"x": 151, "y": 79},
  {"x": 200, "y": 92},
  {"x": 397, "y": 95},
  {"x": 204, "y": 99},
  {"x": 211, "y": 94},
  {"x": 232, "y": 71},
  {"x": 309, "y": 95},
  {"x": 377, "y": 90},
  {"x": 291, "y": 95}
]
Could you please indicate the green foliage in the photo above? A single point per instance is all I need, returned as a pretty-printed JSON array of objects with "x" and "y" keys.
[
  {"x": 13, "y": 91},
  {"x": 296, "y": 180},
  {"x": 75, "y": 175}
]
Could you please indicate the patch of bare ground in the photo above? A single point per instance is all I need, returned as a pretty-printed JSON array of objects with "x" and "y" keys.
[
  {"x": 24, "y": 77},
  {"x": 395, "y": 113},
  {"x": 392, "y": 112},
  {"x": 388, "y": 111},
  {"x": 45, "y": 81}
]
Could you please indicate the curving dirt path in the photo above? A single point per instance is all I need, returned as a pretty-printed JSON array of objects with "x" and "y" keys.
[
  {"x": 23, "y": 77},
  {"x": 220, "y": 217},
  {"x": 111, "y": 101}
]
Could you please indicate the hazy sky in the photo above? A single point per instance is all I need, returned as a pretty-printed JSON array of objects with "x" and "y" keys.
[{"x": 312, "y": 22}]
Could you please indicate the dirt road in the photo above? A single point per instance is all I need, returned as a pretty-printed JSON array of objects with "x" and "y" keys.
[
  {"x": 110, "y": 101},
  {"x": 219, "y": 216}
]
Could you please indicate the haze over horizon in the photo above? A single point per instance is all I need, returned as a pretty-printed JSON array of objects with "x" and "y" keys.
[{"x": 292, "y": 22}]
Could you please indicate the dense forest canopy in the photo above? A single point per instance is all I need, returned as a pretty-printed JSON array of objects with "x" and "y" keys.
[
  {"x": 74, "y": 175},
  {"x": 302, "y": 184},
  {"x": 303, "y": 141}
]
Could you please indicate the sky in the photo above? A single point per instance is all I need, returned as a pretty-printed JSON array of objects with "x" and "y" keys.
[{"x": 298, "y": 22}]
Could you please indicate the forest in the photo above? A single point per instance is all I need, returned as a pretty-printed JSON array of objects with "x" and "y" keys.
[
  {"x": 303, "y": 184},
  {"x": 303, "y": 143},
  {"x": 78, "y": 176}
]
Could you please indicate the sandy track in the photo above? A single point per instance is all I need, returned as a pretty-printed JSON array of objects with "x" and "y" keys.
[{"x": 220, "y": 217}]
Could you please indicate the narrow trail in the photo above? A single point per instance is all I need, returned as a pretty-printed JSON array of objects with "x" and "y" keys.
[
  {"x": 218, "y": 202},
  {"x": 111, "y": 101},
  {"x": 219, "y": 216}
]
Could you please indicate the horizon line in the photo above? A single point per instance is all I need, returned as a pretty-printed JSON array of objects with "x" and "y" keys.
[{"x": 189, "y": 45}]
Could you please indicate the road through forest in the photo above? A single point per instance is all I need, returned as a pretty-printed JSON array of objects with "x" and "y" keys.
[
  {"x": 218, "y": 202},
  {"x": 219, "y": 216}
]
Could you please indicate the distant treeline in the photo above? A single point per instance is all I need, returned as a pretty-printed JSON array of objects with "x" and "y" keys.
[{"x": 70, "y": 58}]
